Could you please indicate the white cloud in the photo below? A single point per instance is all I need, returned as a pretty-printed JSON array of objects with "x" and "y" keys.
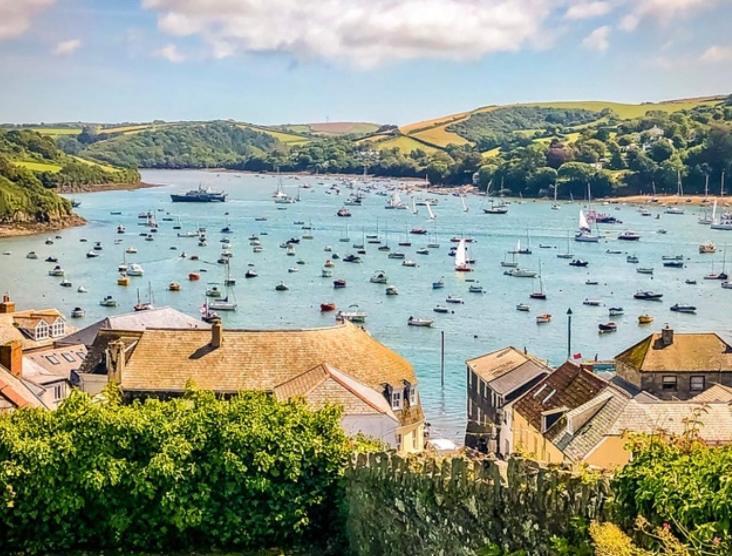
[
  {"x": 16, "y": 15},
  {"x": 587, "y": 10},
  {"x": 171, "y": 53},
  {"x": 364, "y": 33},
  {"x": 598, "y": 40},
  {"x": 661, "y": 10},
  {"x": 715, "y": 54},
  {"x": 66, "y": 48}
]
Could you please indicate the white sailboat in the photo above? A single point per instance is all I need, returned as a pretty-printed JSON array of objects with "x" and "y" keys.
[
  {"x": 429, "y": 211},
  {"x": 279, "y": 196},
  {"x": 461, "y": 257},
  {"x": 584, "y": 233},
  {"x": 225, "y": 303},
  {"x": 555, "y": 206},
  {"x": 395, "y": 202},
  {"x": 414, "y": 206},
  {"x": 721, "y": 222},
  {"x": 465, "y": 206}
]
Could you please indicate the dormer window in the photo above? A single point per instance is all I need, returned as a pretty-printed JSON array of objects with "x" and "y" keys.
[
  {"x": 58, "y": 328},
  {"x": 41, "y": 331},
  {"x": 396, "y": 399},
  {"x": 412, "y": 394}
]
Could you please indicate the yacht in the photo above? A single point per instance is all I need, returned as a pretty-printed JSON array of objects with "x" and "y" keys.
[
  {"x": 629, "y": 235},
  {"x": 647, "y": 295},
  {"x": 200, "y": 195},
  {"x": 707, "y": 248},
  {"x": 520, "y": 273},
  {"x": 108, "y": 301},
  {"x": 78, "y": 313},
  {"x": 378, "y": 278},
  {"x": 135, "y": 270},
  {"x": 56, "y": 271}
]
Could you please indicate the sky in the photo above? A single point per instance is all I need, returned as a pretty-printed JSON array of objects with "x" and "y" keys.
[{"x": 383, "y": 61}]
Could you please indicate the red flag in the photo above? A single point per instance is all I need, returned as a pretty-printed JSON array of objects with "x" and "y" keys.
[{"x": 577, "y": 356}]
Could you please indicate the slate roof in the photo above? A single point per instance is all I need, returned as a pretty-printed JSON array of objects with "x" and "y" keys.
[
  {"x": 569, "y": 387},
  {"x": 689, "y": 352},
  {"x": 159, "y": 317},
  {"x": 324, "y": 384},
  {"x": 507, "y": 369},
  {"x": 52, "y": 364},
  {"x": 164, "y": 359},
  {"x": 715, "y": 393}
]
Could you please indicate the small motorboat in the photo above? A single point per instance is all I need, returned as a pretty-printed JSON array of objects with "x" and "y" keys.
[
  {"x": 379, "y": 277},
  {"x": 672, "y": 258},
  {"x": 440, "y": 284},
  {"x": 135, "y": 270},
  {"x": 418, "y": 231},
  {"x": 604, "y": 328},
  {"x": 544, "y": 318},
  {"x": 441, "y": 309},
  {"x": 81, "y": 289},
  {"x": 123, "y": 280},
  {"x": 591, "y": 302},
  {"x": 213, "y": 291},
  {"x": 327, "y": 307},
  {"x": 681, "y": 308},
  {"x": 65, "y": 283},
  {"x": 645, "y": 319},
  {"x": 51, "y": 259},
  {"x": 613, "y": 252},
  {"x": 647, "y": 295},
  {"x": 629, "y": 235},
  {"x": 92, "y": 254},
  {"x": 281, "y": 287},
  {"x": 326, "y": 273},
  {"x": 174, "y": 287},
  {"x": 329, "y": 264},
  {"x": 49, "y": 242},
  {"x": 131, "y": 250},
  {"x": 97, "y": 246},
  {"x": 56, "y": 271},
  {"x": 293, "y": 269},
  {"x": 409, "y": 263},
  {"x": 520, "y": 273},
  {"x": 78, "y": 313},
  {"x": 121, "y": 229},
  {"x": 716, "y": 276},
  {"x": 615, "y": 311},
  {"x": 396, "y": 255},
  {"x": 353, "y": 314},
  {"x": 416, "y": 321},
  {"x": 391, "y": 290},
  {"x": 673, "y": 264},
  {"x": 423, "y": 251},
  {"x": 475, "y": 288},
  {"x": 726, "y": 285},
  {"x": 591, "y": 282},
  {"x": 339, "y": 283},
  {"x": 523, "y": 307},
  {"x": 343, "y": 212},
  {"x": 194, "y": 276},
  {"x": 644, "y": 270},
  {"x": 632, "y": 259},
  {"x": 108, "y": 301},
  {"x": 578, "y": 263},
  {"x": 707, "y": 248},
  {"x": 250, "y": 273},
  {"x": 690, "y": 282},
  {"x": 456, "y": 300}
]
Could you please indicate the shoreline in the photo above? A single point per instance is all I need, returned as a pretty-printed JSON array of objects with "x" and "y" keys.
[
  {"x": 104, "y": 187},
  {"x": 670, "y": 200},
  {"x": 20, "y": 229}
]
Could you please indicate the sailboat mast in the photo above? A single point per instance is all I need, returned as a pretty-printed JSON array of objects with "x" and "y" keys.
[
  {"x": 706, "y": 186},
  {"x": 721, "y": 186}
]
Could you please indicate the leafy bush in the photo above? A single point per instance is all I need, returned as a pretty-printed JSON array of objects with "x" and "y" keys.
[
  {"x": 680, "y": 485},
  {"x": 194, "y": 471}
]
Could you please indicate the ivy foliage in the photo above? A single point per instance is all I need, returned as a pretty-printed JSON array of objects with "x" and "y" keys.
[
  {"x": 680, "y": 485},
  {"x": 190, "y": 472}
]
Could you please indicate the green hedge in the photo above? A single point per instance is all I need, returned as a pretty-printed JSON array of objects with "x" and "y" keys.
[{"x": 190, "y": 472}]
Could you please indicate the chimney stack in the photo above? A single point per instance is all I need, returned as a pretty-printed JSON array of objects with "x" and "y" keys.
[
  {"x": 667, "y": 336},
  {"x": 216, "y": 336},
  {"x": 115, "y": 361},
  {"x": 7, "y": 305},
  {"x": 11, "y": 357}
]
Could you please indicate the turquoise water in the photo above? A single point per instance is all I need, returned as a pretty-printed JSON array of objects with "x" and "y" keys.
[{"x": 484, "y": 323}]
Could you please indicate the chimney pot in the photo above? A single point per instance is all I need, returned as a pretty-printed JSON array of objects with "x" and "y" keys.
[
  {"x": 7, "y": 305},
  {"x": 216, "y": 334},
  {"x": 11, "y": 357},
  {"x": 667, "y": 336}
]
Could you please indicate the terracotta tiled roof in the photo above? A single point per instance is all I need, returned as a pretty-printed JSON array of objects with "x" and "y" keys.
[
  {"x": 164, "y": 360},
  {"x": 495, "y": 367},
  {"x": 15, "y": 393},
  {"x": 567, "y": 387},
  {"x": 324, "y": 384},
  {"x": 693, "y": 352}
]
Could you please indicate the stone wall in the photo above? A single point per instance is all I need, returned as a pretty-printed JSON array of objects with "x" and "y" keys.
[{"x": 457, "y": 506}]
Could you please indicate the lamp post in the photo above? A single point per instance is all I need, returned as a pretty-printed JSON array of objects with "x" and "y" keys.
[{"x": 569, "y": 334}]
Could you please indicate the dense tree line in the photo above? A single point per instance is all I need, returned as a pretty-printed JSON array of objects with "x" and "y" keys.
[{"x": 23, "y": 197}]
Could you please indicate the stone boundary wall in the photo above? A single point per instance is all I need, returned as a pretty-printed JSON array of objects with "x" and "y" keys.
[{"x": 460, "y": 505}]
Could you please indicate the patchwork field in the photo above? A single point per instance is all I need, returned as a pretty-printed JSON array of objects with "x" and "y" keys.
[
  {"x": 35, "y": 166},
  {"x": 405, "y": 144}
]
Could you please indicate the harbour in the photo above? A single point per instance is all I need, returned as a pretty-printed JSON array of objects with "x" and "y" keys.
[{"x": 486, "y": 319}]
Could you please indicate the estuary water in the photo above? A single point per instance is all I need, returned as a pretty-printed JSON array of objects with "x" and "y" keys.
[{"x": 484, "y": 322}]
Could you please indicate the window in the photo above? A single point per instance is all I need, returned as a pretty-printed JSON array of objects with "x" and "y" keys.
[
  {"x": 68, "y": 357},
  {"x": 482, "y": 388},
  {"x": 415, "y": 439},
  {"x": 41, "y": 331},
  {"x": 470, "y": 408},
  {"x": 399, "y": 440},
  {"x": 669, "y": 383},
  {"x": 396, "y": 399},
  {"x": 57, "y": 328},
  {"x": 697, "y": 383},
  {"x": 52, "y": 359},
  {"x": 412, "y": 394},
  {"x": 58, "y": 392}
]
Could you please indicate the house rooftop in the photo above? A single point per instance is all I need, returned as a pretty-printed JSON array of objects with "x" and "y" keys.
[
  {"x": 567, "y": 388},
  {"x": 165, "y": 360},
  {"x": 715, "y": 393},
  {"x": 12, "y": 324},
  {"x": 687, "y": 352},
  {"x": 15, "y": 393},
  {"x": 44, "y": 366},
  {"x": 324, "y": 384},
  {"x": 507, "y": 369},
  {"x": 159, "y": 317}
]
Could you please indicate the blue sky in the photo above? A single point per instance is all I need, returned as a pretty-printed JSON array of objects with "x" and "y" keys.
[{"x": 386, "y": 61}]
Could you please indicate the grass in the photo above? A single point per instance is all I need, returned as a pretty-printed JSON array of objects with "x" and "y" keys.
[
  {"x": 440, "y": 136},
  {"x": 567, "y": 138},
  {"x": 405, "y": 144},
  {"x": 491, "y": 153},
  {"x": 36, "y": 166},
  {"x": 628, "y": 111},
  {"x": 286, "y": 138},
  {"x": 95, "y": 163},
  {"x": 435, "y": 122},
  {"x": 342, "y": 128},
  {"x": 127, "y": 128},
  {"x": 56, "y": 131}
]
